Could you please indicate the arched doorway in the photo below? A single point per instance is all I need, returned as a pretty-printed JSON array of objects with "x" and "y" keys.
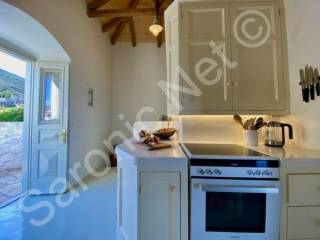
[{"x": 45, "y": 103}]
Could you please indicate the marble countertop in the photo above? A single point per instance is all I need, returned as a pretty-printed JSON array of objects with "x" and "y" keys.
[
  {"x": 286, "y": 154},
  {"x": 136, "y": 151},
  {"x": 289, "y": 153}
]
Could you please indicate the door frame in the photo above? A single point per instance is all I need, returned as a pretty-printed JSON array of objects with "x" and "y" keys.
[
  {"x": 37, "y": 124},
  {"x": 27, "y": 121}
]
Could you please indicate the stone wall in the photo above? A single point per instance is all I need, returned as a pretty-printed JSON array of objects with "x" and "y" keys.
[{"x": 11, "y": 157}]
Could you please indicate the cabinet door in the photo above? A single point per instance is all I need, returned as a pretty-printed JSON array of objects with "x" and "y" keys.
[
  {"x": 204, "y": 63},
  {"x": 160, "y": 206},
  {"x": 172, "y": 57},
  {"x": 258, "y": 82}
]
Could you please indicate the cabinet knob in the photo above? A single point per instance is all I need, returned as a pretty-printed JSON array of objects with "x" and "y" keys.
[{"x": 172, "y": 188}]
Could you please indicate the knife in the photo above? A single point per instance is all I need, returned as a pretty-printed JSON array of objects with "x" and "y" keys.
[
  {"x": 311, "y": 83},
  {"x": 302, "y": 84},
  {"x": 317, "y": 80},
  {"x": 305, "y": 90}
]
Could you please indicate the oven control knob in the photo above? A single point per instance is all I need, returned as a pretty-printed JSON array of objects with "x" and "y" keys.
[
  {"x": 217, "y": 172},
  {"x": 209, "y": 172},
  {"x": 201, "y": 171}
]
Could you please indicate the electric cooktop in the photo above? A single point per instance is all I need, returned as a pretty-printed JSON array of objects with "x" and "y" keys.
[{"x": 221, "y": 151}]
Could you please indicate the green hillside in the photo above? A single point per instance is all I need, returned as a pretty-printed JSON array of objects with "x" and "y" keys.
[{"x": 11, "y": 85}]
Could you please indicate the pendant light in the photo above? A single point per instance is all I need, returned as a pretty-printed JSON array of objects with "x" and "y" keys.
[{"x": 155, "y": 28}]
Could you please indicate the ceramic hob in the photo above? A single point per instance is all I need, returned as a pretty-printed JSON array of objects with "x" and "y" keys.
[{"x": 222, "y": 151}]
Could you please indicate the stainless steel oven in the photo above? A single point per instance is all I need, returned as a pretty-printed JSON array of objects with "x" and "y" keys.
[
  {"x": 235, "y": 193},
  {"x": 235, "y": 209}
]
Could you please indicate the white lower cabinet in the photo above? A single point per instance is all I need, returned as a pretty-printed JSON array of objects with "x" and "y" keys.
[
  {"x": 304, "y": 223},
  {"x": 160, "y": 206},
  {"x": 301, "y": 203},
  {"x": 152, "y": 198}
]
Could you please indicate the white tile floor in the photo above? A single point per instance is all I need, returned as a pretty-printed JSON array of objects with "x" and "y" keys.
[{"x": 91, "y": 216}]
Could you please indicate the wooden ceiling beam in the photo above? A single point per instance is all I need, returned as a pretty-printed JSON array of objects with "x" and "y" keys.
[
  {"x": 119, "y": 30},
  {"x": 122, "y": 12},
  {"x": 132, "y": 32},
  {"x": 97, "y": 4},
  {"x": 159, "y": 3},
  {"x": 133, "y": 4},
  {"x": 112, "y": 23},
  {"x": 160, "y": 36}
]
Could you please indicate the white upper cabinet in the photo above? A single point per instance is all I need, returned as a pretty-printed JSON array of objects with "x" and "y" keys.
[
  {"x": 211, "y": 76},
  {"x": 225, "y": 58},
  {"x": 256, "y": 47}
]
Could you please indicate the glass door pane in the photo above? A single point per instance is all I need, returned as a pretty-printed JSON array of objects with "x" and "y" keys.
[
  {"x": 235, "y": 212},
  {"x": 51, "y": 95}
]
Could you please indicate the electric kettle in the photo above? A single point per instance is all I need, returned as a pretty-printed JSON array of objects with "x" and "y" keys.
[{"x": 275, "y": 134}]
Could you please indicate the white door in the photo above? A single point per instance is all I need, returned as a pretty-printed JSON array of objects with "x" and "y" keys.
[
  {"x": 50, "y": 127},
  {"x": 160, "y": 206}
]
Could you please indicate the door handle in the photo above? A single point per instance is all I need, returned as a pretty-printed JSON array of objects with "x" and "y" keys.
[{"x": 64, "y": 136}]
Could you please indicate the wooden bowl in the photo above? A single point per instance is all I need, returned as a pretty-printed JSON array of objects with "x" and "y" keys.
[{"x": 165, "y": 133}]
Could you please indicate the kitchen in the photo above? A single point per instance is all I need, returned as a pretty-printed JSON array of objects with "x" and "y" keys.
[{"x": 214, "y": 166}]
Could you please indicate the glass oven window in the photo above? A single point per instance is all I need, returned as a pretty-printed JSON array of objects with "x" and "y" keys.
[{"x": 235, "y": 212}]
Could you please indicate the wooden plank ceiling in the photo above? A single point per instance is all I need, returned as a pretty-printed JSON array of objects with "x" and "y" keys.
[{"x": 128, "y": 20}]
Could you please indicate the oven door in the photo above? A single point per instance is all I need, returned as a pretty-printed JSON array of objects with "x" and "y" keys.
[{"x": 235, "y": 209}]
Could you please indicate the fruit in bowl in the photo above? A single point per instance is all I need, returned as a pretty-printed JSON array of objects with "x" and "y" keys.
[
  {"x": 165, "y": 133},
  {"x": 148, "y": 138}
]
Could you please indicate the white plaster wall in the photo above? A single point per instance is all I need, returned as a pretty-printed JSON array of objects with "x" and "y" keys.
[
  {"x": 303, "y": 19},
  {"x": 136, "y": 72},
  {"x": 90, "y": 55},
  {"x": 23, "y": 34}
]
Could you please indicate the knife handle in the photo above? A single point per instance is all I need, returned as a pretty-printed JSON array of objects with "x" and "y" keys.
[
  {"x": 312, "y": 93},
  {"x": 306, "y": 93},
  {"x": 318, "y": 89}
]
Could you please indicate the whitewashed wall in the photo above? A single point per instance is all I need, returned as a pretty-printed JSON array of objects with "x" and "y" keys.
[
  {"x": 135, "y": 76},
  {"x": 303, "y": 19},
  {"x": 90, "y": 55}
]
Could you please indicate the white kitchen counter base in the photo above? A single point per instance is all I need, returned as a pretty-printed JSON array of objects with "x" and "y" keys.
[{"x": 153, "y": 191}]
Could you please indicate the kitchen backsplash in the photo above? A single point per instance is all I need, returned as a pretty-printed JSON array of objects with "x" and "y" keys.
[
  {"x": 211, "y": 129},
  {"x": 220, "y": 129}
]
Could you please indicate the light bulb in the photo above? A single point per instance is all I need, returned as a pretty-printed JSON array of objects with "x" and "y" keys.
[{"x": 155, "y": 28}]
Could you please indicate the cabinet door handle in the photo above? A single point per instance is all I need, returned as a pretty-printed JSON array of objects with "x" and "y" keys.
[{"x": 172, "y": 188}]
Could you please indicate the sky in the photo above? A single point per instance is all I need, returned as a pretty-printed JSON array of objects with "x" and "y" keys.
[{"x": 13, "y": 65}]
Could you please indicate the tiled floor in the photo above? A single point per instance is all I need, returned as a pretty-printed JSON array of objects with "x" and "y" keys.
[
  {"x": 90, "y": 216},
  {"x": 11, "y": 142},
  {"x": 10, "y": 184}
]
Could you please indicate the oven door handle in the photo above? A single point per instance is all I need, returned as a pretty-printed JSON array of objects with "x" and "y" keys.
[{"x": 238, "y": 189}]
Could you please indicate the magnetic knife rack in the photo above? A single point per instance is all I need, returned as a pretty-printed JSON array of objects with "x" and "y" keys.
[{"x": 310, "y": 83}]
